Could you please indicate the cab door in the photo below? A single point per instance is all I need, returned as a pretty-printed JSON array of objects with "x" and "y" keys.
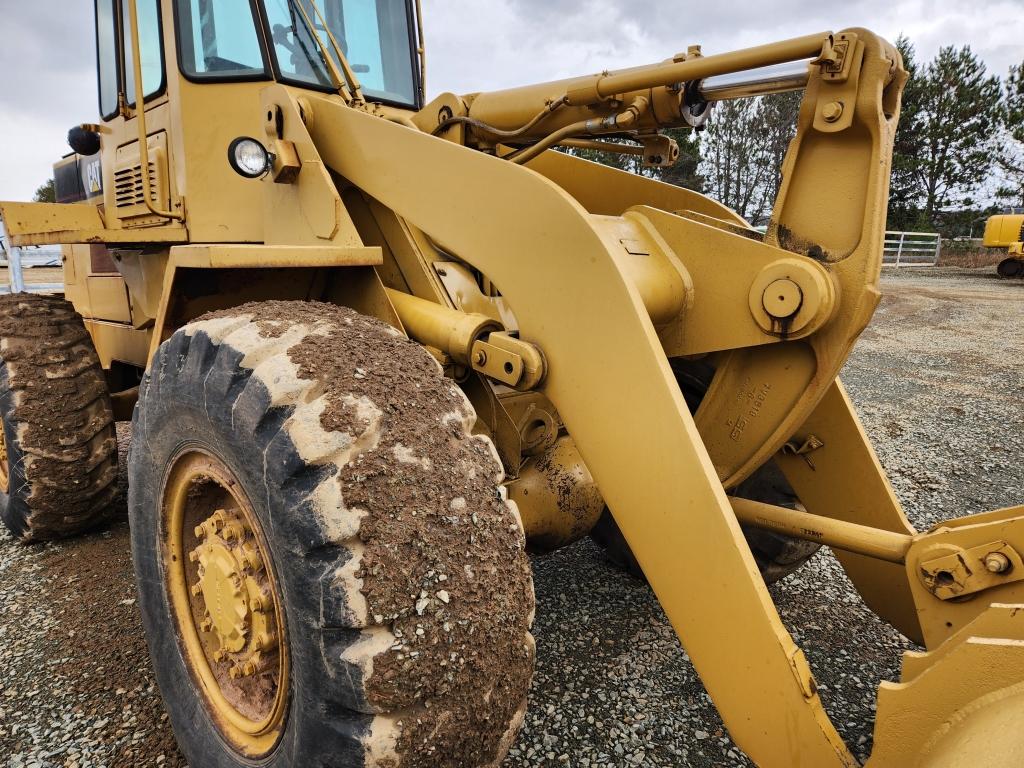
[{"x": 124, "y": 200}]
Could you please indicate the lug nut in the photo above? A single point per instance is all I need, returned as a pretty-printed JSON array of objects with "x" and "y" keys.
[
  {"x": 253, "y": 560},
  {"x": 193, "y": 556},
  {"x": 249, "y": 669},
  {"x": 199, "y": 531},
  {"x": 997, "y": 562},
  {"x": 197, "y": 590},
  {"x": 206, "y": 625},
  {"x": 220, "y": 655},
  {"x": 235, "y": 672}
]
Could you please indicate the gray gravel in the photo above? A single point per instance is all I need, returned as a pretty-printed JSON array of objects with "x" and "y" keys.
[{"x": 937, "y": 379}]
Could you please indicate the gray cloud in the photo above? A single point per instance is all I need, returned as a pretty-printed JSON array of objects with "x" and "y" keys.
[
  {"x": 47, "y": 56},
  {"x": 47, "y": 84}
]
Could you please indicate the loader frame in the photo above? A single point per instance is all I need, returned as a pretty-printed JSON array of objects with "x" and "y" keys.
[{"x": 658, "y": 272}]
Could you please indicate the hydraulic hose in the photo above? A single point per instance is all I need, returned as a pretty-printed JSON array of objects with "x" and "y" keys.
[
  {"x": 594, "y": 126},
  {"x": 498, "y": 132}
]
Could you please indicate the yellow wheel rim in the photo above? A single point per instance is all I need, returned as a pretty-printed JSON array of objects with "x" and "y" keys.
[
  {"x": 225, "y": 602},
  {"x": 5, "y": 470}
]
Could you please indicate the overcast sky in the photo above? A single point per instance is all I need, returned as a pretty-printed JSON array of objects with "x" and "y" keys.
[{"x": 47, "y": 54}]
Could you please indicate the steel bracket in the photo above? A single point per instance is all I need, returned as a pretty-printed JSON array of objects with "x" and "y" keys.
[
  {"x": 508, "y": 360},
  {"x": 967, "y": 571}
]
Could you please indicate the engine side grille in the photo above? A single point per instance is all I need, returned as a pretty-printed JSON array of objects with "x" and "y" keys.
[{"x": 128, "y": 186}]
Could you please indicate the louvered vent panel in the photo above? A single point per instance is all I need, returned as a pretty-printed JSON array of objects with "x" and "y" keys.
[{"x": 128, "y": 186}]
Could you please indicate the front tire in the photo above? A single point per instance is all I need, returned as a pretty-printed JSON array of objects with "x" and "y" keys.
[{"x": 396, "y": 593}]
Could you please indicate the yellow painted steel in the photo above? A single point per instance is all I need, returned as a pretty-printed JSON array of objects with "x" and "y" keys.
[
  {"x": 846, "y": 468},
  {"x": 269, "y": 256},
  {"x": 961, "y": 705},
  {"x": 556, "y": 496},
  {"x": 760, "y": 396},
  {"x": 1003, "y": 230},
  {"x": 541, "y": 271},
  {"x": 756, "y": 675},
  {"x": 849, "y": 537},
  {"x": 118, "y": 342},
  {"x": 1007, "y": 231},
  {"x": 216, "y": 586},
  {"x": 57, "y": 223},
  {"x": 447, "y": 330},
  {"x": 140, "y": 119}
]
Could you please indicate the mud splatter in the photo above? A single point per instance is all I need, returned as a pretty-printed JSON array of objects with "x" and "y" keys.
[{"x": 443, "y": 565}]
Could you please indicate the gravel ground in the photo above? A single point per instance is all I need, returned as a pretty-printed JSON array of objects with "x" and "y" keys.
[{"x": 937, "y": 380}]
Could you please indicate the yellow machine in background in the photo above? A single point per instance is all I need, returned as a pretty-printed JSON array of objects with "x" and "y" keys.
[
  {"x": 1007, "y": 231},
  {"x": 376, "y": 346}
]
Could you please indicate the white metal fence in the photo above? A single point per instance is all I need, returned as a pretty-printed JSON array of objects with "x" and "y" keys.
[
  {"x": 14, "y": 258},
  {"x": 912, "y": 249}
]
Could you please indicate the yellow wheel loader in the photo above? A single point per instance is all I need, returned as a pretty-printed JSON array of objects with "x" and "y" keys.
[
  {"x": 377, "y": 347},
  {"x": 1007, "y": 231}
]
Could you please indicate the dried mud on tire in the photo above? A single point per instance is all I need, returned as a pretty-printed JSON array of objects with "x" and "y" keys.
[
  {"x": 58, "y": 420},
  {"x": 426, "y": 598}
]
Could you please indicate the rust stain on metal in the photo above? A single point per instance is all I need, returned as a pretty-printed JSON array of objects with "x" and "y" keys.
[{"x": 789, "y": 241}]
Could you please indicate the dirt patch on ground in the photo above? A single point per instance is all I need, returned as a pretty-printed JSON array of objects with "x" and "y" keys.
[
  {"x": 75, "y": 682},
  {"x": 443, "y": 566}
]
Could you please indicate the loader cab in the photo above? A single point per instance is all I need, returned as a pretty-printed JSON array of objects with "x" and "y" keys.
[{"x": 204, "y": 63}]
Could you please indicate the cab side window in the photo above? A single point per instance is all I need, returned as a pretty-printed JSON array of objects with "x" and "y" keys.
[
  {"x": 150, "y": 49},
  {"x": 115, "y": 65},
  {"x": 376, "y": 36},
  {"x": 218, "y": 40},
  {"x": 106, "y": 56}
]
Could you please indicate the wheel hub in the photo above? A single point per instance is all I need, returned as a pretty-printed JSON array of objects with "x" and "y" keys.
[
  {"x": 235, "y": 594},
  {"x": 225, "y": 602}
]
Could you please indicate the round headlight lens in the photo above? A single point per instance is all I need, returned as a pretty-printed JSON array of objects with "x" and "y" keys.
[{"x": 248, "y": 157}]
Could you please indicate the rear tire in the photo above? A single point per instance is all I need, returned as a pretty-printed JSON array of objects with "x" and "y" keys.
[
  {"x": 404, "y": 590},
  {"x": 58, "y": 456}
]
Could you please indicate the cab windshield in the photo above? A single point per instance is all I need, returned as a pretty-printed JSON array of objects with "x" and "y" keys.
[
  {"x": 218, "y": 41},
  {"x": 374, "y": 35}
]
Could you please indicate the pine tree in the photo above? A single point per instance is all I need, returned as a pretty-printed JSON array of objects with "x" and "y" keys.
[
  {"x": 46, "y": 193},
  {"x": 904, "y": 186},
  {"x": 1011, "y": 155},
  {"x": 960, "y": 113}
]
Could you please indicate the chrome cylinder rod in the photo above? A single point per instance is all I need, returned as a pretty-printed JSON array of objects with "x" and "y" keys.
[{"x": 757, "y": 82}]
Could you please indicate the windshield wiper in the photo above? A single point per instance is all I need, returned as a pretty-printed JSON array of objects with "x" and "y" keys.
[{"x": 345, "y": 80}]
